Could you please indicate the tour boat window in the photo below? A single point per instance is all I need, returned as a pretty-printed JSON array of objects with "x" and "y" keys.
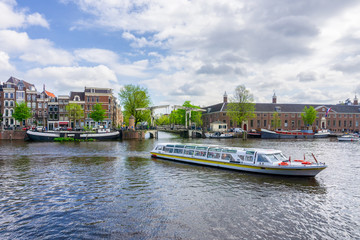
[
  {"x": 201, "y": 148},
  {"x": 280, "y": 156},
  {"x": 249, "y": 158},
  {"x": 159, "y": 148},
  {"x": 214, "y": 155},
  {"x": 230, "y": 151},
  {"x": 215, "y": 149},
  {"x": 169, "y": 150},
  {"x": 242, "y": 157},
  {"x": 179, "y": 146},
  {"x": 189, "y": 152},
  {"x": 170, "y": 145},
  {"x": 227, "y": 156},
  {"x": 190, "y": 147},
  {"x": 200, "y": 153},
  {"x": 262, "y": 158},
  {"x": 179, "y": 151}
]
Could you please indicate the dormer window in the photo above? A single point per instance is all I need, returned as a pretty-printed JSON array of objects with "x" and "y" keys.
[
  {"x": 77, "y": 98},
  {"x": 278, "y": 109}
]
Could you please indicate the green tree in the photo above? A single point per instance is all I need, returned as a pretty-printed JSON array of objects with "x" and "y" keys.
[
  {"x": 241, "y": 107},
  {"x": 178, "y": 116},
  {"x": 98, "y": 113},
  {"x": 309, "y": 115},
  {"x": 21, "y": 112},
  {"x": 133, "y": 97},
  {"x": 75, "y": 112},
  {"x": 276, "y": 121},
  {"x": 163, "y": 120}
]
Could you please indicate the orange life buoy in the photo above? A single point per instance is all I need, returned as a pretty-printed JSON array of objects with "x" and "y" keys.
[
  {"x": 283, "y": 164},
  {"x": 307, "y": 163},
  {"x": 299, "y": 161}
]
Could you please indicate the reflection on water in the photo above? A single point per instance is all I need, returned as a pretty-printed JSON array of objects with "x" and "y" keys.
[{"x": 116, "y": 190}]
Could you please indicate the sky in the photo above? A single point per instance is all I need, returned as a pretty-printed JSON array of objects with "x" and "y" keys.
[{"x": 186, "y": 50}]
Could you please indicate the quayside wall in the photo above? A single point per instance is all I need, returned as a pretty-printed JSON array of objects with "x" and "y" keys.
[{"x": 12, "y": 135}]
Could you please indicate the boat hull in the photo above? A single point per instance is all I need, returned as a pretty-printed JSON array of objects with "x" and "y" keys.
[
  {"x": 266, "y": 134},
  {"x": 50, "y": 136},
  {"x": 304, "y": 171}
]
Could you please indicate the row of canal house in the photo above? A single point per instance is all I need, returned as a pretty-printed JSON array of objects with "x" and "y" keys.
[
  {"x": 335, "y": 117},
  {"x": 50, "y": 111}
]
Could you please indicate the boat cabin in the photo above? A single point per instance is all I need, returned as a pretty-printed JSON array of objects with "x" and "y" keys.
[{"x": 223, "y": 154}]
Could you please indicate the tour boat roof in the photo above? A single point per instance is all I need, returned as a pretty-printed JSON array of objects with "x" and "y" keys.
[{"x": 259, "y": 150}]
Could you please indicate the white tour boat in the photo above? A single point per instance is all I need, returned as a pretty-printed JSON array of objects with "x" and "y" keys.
[
  {"x": 266, "y": 161},
  {"x": 348, "y": 138}
]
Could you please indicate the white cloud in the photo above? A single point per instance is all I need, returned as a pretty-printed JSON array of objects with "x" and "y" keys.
[
  {"x": 14, "y": 18},
  {"x": 65, "y": 79},
  {"x": 4, "y": 62},
  {"x": 197, "y": 50},
  {"x": 39, "y": 51}
]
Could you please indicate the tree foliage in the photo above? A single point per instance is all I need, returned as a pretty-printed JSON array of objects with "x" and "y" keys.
[
  {"x": 75, "y": 112},
  {"x": 21, "y": 112},
  {"x": 163, "y": 120},
  {"x": 133, "y": 97},
  {"x": 276, "y": 121},
  {"x": 241, "y": 107},
  {"x": 98, "y": 113},
  {"x": 178, "y": 116},
  {"x": 309, "y": 115}
]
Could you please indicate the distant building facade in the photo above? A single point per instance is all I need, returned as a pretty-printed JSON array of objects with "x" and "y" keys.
[
  {"x": 51, "y": 111},
  {"x": 335, "y": 117}
]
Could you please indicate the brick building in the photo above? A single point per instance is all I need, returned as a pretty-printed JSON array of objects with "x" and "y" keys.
[
  {"x": 104, "y": 97},
  {"x": 50, "y": 111},
  {"x": 340, "y": 117},
  {"x": 13, "y": 91}
]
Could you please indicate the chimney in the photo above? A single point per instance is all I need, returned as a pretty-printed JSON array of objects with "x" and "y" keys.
[
  {"x": 225, "y": 97},
  {"x": 44, "y": 87},
  {"x": 274, "y": 98}
]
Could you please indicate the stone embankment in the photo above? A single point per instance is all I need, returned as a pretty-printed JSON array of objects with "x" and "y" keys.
[{"x": 12, "y": 134}]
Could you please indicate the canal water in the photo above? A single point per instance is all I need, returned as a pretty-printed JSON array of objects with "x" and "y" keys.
[{"x": 115, "y": 190}]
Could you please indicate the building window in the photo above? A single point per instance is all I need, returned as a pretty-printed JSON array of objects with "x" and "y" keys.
[
  {"x": 97, "y": 99},
  {"x": 40, "y": 105},
  {"x": 264, "y": 123},
  {"x": 345, "y": 123},
  {"x": 251, "y": 123},
  {"x": 6, "y": 103},
  {"x": 6, "y": 95},
  {"x": 34, "y": 97},
  {"x": 33, "y": 105},
  {"x": 28, "y": 97},
  {"x": 334, "y": 123},
  {"x": 11, "y": 103},
  {"x": 11, "y": 95},
  {"x": 285, "y": 123},
  {"x": 339, "y": 123}
]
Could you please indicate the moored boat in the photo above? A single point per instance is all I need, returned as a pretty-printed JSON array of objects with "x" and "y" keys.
[
  {"x": 51, "y": 135},
  {"x": 265, "y": 161},
  {"x": 348, "y": 138},
  {"x": 219, "y": 135},
  {"x": 268, "y": 134}
]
